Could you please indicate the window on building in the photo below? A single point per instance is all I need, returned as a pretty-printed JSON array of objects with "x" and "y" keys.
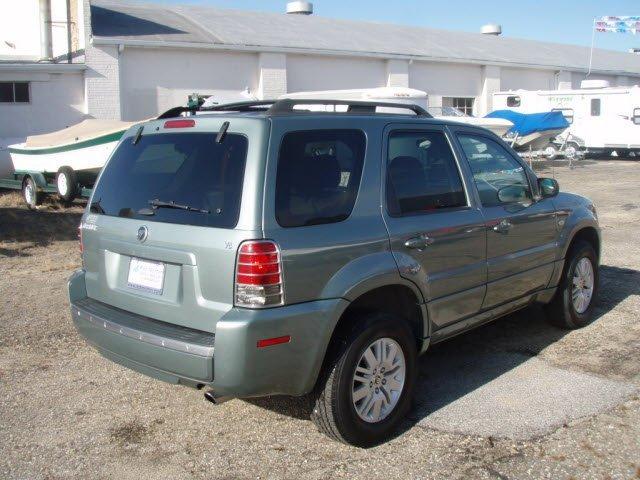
[
  {"x": 494, "y": 169},
  {"x": 513, "y": 101},
  {"x": 14, "y": 92},
  {"x": 422, "y": 174},
  {"x": 464, "y": 104},
  {"x": 318, "y": 176},
  {"x": 595, "y": 107}
]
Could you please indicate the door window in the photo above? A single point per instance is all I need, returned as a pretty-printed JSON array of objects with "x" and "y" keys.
[
  {"x": 595, "y": 107},
  {"x": 500, "y": 179},
  {"x": 318, "y": 176},
  {"x": 422, "y": 174}
]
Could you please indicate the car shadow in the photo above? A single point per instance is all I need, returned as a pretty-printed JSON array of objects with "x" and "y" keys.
[
  {"x": 452, "y": 369},
  {"x": 22, "y": 229}
]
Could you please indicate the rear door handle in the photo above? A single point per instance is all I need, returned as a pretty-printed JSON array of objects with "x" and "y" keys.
[
  {"x": 503, "y": 227},
  {"x": 418, "y": 243}
]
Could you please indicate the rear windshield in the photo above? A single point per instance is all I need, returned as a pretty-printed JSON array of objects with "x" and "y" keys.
[{"x": 189, "y": 170}]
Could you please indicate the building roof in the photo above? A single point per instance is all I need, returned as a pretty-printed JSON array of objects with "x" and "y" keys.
[{"x": 120, "y": 22}]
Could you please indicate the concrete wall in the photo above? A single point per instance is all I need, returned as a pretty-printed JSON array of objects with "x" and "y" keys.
[
  {"x": 57, "y": 100},
  {"x": 152, "y": 81},
  {"x": 527, "y": 79},
  {"x": 310, "y": 72}
]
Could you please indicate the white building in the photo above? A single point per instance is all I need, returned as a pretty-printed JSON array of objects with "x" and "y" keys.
[{"x": 142, "y": 59}]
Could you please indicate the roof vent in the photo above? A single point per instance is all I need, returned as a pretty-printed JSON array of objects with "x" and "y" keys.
[
  {"x": 300, "y": 8},
  {"x": 491, "y": 29}
]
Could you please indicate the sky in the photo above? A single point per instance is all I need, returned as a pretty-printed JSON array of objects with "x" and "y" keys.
[{"x": 563, "y": 21}]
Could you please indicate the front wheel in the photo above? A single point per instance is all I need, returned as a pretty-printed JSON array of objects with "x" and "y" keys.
[
  {"x": 572, "y": 306},
  {"x": 66, "y": 184},
  {"x": 369, "y": 386}
]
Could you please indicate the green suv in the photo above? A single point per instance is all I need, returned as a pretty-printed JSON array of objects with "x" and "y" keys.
[{"x": 267, "y": 248}]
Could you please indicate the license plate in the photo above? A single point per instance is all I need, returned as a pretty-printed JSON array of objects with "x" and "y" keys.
[{"x": 146, "y": 275}]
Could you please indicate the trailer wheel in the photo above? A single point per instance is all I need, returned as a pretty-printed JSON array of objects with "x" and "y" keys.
[
  {"x": 67, "y": 184},
  {"x": 30, "y": 192}
]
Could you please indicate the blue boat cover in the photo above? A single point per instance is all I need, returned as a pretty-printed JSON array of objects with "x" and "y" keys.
[{"x": 526, "y": 123}]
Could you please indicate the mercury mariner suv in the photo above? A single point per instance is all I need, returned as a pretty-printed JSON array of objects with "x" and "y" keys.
[{"x": 267, "y": 248}]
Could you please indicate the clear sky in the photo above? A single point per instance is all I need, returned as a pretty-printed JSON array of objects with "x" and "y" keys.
[{"x": 564, "y": 21}]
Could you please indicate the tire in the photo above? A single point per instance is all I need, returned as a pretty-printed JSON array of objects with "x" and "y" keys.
[
  {"x": 67, "y": 184},
  {"x": 30, "y": 193},
  {"x": 563, "y": 311},
  {"x": 334, "y": 411}
]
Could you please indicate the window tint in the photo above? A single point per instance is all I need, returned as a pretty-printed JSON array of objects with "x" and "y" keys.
[
  {"x": 422, "y": 174},
  {"x": 595, "y": 107},
  {"x": 186, "y": 168},
  {"x": 318, "y": 176},
  {"x": 513, "y": 101},
  {"x": 494, "y": 168}
]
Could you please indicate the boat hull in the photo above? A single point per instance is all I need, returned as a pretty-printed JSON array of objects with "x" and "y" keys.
[{"x": 50, "y": 160}]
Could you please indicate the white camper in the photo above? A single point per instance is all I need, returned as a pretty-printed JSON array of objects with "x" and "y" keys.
[
  {"x": 602, "y": 119},
  {"x": 398, "y": 95}
]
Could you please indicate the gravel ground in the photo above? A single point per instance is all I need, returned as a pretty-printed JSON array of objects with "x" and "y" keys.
[{"x": 513, "y": 399}]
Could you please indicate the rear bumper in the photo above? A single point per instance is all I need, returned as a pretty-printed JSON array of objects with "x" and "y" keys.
[{"x": 229, "y": 360}]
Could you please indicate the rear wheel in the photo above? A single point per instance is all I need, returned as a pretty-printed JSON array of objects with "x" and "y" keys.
[
  {"x": 66, "y": 184},
  {"x": 368, "y": 388},
  {"x": 572, "y": 306},
  {"x": 30, "y": 193}
]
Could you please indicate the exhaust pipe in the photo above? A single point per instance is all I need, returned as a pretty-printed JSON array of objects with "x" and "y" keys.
[{"x": 216, "y": 400}]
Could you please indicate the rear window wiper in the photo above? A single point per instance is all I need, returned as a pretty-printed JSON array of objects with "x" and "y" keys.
[{"x": 157, "y": 203}]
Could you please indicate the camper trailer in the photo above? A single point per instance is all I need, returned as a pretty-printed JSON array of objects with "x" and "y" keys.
[{"x": 603, "y": 119}]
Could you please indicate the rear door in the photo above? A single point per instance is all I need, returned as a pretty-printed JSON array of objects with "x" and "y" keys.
[
  {"x": 437, "y": 231},
  {"x": 167, "y": 216},
  {"x": 521, "y": 231}
]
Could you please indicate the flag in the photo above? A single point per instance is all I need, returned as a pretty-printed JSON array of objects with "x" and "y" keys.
[{"x": 621, "y": 24}]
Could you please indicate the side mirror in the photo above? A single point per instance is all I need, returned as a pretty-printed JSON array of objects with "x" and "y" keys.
[
  {"x": 513, "y": 194},
  {"x": 548, "y": 187}
]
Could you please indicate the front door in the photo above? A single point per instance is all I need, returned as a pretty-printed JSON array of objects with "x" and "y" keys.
[
  {"x": 436, "y": 229},
  {"x": 521, "y": 226}
]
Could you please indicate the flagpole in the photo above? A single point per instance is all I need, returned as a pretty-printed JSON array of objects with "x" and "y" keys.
[{"x": 593, "y": 39}]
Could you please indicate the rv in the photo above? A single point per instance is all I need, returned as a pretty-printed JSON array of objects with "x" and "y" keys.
[{"x": 602, "y": 119}]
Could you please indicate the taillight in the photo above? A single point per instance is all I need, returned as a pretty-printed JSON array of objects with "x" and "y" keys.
[{"x": 259, "y": 275}]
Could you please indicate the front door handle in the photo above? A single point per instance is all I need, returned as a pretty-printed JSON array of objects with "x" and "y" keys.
[
  {"x": 418, "y": 243},
  {"x": 503, "y": 226}
]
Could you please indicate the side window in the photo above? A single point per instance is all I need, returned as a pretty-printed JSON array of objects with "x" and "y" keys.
[
  {"x": 567, "y": 113},
  {"x": 318, "y": 176},
  {"x": 513, "y": 101},
  {"x": 595, "y": 107},
  {"x": 495, "y": 170},
  {"x": 636, "y": 116},
  {"x": 422, "y": 174}
]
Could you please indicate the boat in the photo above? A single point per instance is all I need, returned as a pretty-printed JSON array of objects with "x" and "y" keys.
[
  {"x": 69, "y": 159},
  {"x": 531, "y": 131},
  {"x": 499, "y": 126}
]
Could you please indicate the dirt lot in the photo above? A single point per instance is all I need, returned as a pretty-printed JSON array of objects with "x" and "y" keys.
[{"x": 514, "y": 399}]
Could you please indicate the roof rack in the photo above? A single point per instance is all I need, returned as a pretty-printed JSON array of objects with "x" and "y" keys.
[{"x": 287, "y": 105}]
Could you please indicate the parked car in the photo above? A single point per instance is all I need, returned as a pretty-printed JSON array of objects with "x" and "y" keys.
[{"x": 263, "y": 249}]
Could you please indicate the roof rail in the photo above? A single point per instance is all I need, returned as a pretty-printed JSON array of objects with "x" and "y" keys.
[{"x": 287, "y": 105}]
